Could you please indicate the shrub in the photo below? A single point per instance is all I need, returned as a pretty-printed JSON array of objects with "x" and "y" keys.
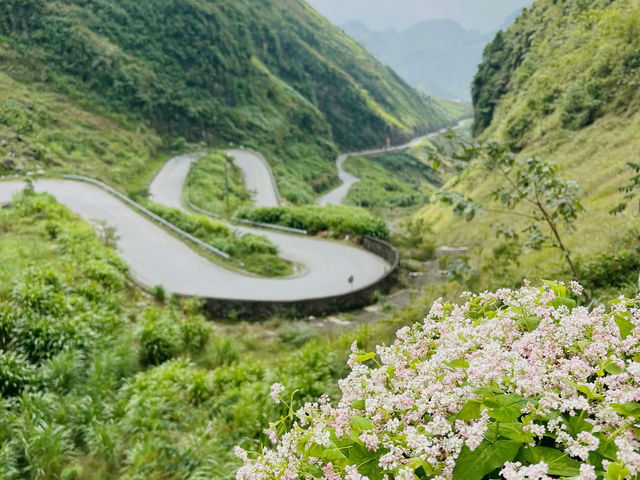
[
  {"x": 579, "y": 108},
  {"x": 518, "y": 384},
  {"x": 16, "y": 373},
  {"x": 159, "y": 337},
  {"x": 295, "y": 334},
  {"x": 222, "y": 350},
  {"x": 195, "y": 333},
  {"x": 159, "y": 293},
  {"x": 7, "y": 322},
  {"x": 337, "y": 219},
  {"x": 40, "y": 291},
  {"x": 611, "y": 270}
]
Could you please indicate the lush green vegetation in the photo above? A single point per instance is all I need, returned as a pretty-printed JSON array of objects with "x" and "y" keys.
[
  {"x": 335, "y": 219},
  {"x": 255, "y": 253},
  {"x": 215, "y": 184},
  {"x": 393, "y": 180},
  {"x": 271, "y": 75},
  {"x": 44, "y": 129},
  {"x": 553, "y": 49},
  {"x": 98, "y": 381},
  {"x": 563, "y": 65},
  {"x": 404, "y": 178}
]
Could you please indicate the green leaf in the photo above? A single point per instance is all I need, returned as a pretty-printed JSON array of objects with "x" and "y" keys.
[
  {"x": 558, "y": 462},
  {"x": 625, "y": 326},
  {"x": 530, "y": 322},
  {"x": 556, "y": 288},
  {"x": 366, "y": 461},
  {"x": 591, "y": 395},
  {"x": 613, "y": 368},
  {"x": 358, "y": 405},
  {"x": 631, "y": 409},
  {"x": 460, "y": 363},
  {"x": 471, "y": 410},
  {"x": 359, "y": 425},
  {"x": 484, "y": 459},
  {"x": 607, "y": 448},
  {"x": 505, "y": 408},
  {"x": 316, "y": 450},
  {"x": 617, "y": 472},
  {"x": 365, "y": 357},
  {"x": 334, "y": 455},
  {"x": 567, "y": 302},
  {"x": 417, "y": 463},
  {"x": 513, "y": 431}
]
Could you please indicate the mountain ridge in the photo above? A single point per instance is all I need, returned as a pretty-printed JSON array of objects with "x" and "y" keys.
[{"x": 272, "y": 75}]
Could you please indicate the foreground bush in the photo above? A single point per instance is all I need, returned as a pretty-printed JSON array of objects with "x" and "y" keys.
[
  {"x": 337, "y": 219},
  {"x": 513, "y": 384}
]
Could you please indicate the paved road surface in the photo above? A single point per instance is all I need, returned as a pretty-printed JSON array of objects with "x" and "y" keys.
[
  {"x": 257, "y": 177},
  {"x": 337, "y": 196},
  {"x": 157, "y": 258}
]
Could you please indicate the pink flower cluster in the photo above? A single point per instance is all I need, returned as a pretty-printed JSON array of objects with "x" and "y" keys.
[{"x": 565, "y": 362}]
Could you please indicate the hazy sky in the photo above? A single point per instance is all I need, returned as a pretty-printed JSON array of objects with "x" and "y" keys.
[{"x": 484, "y": 15}]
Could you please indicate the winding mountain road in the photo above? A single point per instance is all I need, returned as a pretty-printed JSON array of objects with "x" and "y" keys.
[
  {"x": 337, "y": 195},
  {"x": 156, "y": 257}
]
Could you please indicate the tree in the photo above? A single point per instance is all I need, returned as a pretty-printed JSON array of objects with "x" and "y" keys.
[
  {"x": 530, "y": 189},
  {"x": 629, "y": 189}
]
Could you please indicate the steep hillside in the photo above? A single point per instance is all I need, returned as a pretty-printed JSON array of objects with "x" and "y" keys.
[
  {"x": 272, "y": 74},
  {"x": 563, "y": 65},
  {"x": 562, "y": 83}
]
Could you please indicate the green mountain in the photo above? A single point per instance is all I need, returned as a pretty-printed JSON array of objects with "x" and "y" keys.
[
  {"x": 274, "y": 75},
  {"x": 564, "y": 65},
  {"x": 562, "y": 84}
]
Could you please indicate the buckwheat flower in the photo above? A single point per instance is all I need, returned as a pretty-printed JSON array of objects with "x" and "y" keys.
[
  {"x": 321, "y": 436},
  {"x": 437, "y": 310},
  {"x": 421, "y": 381},
  {"x": 537, "y": 430},
  {"x": 329, "y": 473},
  {"x": 271, "y": 432},
  {"x": 629, "y": 451},
  {"x": 587, "y": 472},
  {"x": 576, "y": 288},
  {"x": 370, "y": 440},
  {"x": 353, "y": 474},
  {"x": 240, "y": 453},
  {"x": 276, "y": 390},
  {"x": 405, "y": 473},
  {"x": 391, "y": 460},
  {"x": 515, "y": 471},
  {"x": 393, "y": 425}
]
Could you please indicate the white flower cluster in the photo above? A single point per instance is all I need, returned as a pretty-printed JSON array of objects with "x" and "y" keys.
[{"x": 523, "y": 366}]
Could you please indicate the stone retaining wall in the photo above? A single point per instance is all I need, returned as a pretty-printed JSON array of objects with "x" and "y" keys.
[{"x": 257, "y": 310}]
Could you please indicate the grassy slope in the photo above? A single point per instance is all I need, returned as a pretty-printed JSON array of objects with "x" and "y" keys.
[
  {"x": 206, "y": 188},
  {"x": 566, "y": 55},
  {"x": 273, "y": 75},
  {"x": 40, "y": 128},
  {"x": 401, "y": 179},
  {"x": 393, "y": 180}
]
